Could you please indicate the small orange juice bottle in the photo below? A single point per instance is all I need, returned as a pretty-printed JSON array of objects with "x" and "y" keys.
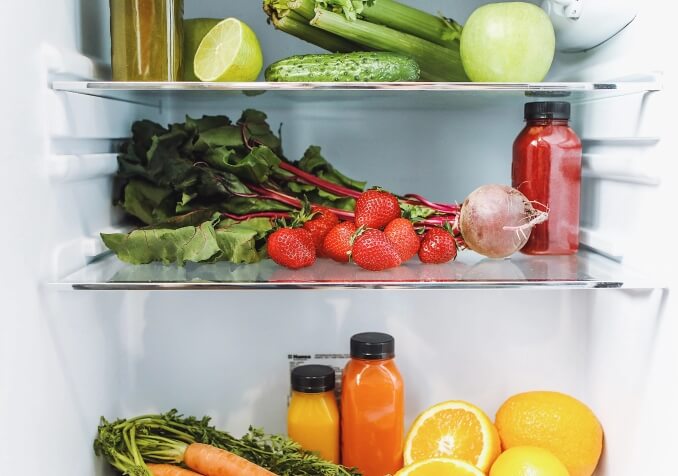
[{"x": 313, "y": 414}]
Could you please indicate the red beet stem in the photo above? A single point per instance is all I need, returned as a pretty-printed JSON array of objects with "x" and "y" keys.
[
  {"x": 294, "y": 202},
  {"x": 255, "y": 215},
  {"x": 277, "y": 196},
  {"x": 442, "y": 207},
  {"x": 437, "y": 220},
  {"x": 347, "y": 192},
  {"x": 320, "y": 183}
]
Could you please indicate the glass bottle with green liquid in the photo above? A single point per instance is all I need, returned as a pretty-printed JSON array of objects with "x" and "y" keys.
[{"x": 146, "y": 39}]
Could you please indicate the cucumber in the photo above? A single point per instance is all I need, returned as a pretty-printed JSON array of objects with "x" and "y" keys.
[{"x": 341, "y": 67}]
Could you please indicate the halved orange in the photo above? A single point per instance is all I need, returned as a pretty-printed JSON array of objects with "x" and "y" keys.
[
  {"x": 453, "y": 429},
  {"x": 440, "y": 467}
]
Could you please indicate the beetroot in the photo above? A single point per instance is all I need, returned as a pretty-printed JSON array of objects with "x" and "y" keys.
[{"x": 496, "y": 220}]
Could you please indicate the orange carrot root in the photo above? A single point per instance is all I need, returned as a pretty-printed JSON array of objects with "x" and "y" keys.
[
  {"x": 170, "y": 470},
  {"x": 211, "y": 461}
]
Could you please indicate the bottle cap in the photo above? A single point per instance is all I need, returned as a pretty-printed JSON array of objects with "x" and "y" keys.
[
  {"x": 547, "y": 110},
  {"x": 313, "y": 379},
  {"x": 372, "y": 346}
]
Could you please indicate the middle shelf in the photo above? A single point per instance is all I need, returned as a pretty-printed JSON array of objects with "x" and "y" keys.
[{"x": 584, "y": 270}]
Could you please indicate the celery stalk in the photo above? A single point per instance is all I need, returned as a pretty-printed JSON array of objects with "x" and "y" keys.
[
  {"x": 285, "y": 17},
  {"x": 410, "y": 20},
  {"x": 437, "y": 62},
  {"x": 303, "y": 8}
]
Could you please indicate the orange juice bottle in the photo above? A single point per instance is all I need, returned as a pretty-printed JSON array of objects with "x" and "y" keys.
[
  {"x": 372, "y": 407},
  {"x": 313, "y": 416}
]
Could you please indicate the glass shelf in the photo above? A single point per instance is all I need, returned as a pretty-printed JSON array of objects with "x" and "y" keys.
[
  {"x": 471, "y": 271},
  {"x": 650, "y": 84},
  {"x": 149, "y": 91}
]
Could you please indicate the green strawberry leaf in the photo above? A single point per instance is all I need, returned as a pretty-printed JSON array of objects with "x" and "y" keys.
[{"x": 415, "y": 212}]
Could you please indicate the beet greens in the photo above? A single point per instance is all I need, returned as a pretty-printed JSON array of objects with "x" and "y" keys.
[{"x": 209, "y": 189}]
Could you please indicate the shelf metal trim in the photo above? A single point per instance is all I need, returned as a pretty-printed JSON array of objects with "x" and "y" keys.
[
  {"x": 476, "y": 285},
  {"x": 90, "y": 86}
]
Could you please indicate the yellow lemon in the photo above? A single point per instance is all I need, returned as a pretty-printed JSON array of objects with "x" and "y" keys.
[
  {"x": 440, "y": 467},
  {"x": 453, "y": 429},
  {"x": 528, "y": 461},
  {"x": 554, "y": 421}
]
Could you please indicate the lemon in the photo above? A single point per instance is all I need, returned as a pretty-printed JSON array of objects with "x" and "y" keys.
[
  {"x": 453, "y": 429},
  {"x": 528, "y": 461},
  {"x": 556, "y": 422},
  {"x": 440, "y": 467},
  {"x": 229, "y": 52},
  {"x": 195, "y": 30}
]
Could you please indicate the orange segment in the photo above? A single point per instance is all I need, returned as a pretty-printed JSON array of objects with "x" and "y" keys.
[
  {"x": 440, "y": 467},
  {"x": 453, "y": 429}
]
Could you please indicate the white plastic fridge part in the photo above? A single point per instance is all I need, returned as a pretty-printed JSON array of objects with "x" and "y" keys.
[
  {"x": 584, "y": 24},
  {"x": 69, "y": 357}
]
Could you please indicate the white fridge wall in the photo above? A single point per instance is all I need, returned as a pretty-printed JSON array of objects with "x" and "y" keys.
[
  {"x": 67, "y": 358},
  {"x": 60, "y": 366}
]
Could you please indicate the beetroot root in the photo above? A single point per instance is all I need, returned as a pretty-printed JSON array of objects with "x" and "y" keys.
[{"x": 496, "y": 220}]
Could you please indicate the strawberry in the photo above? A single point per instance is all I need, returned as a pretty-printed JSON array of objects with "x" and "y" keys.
[
  {"x": 401, "y": 233},
  {"x": 337, "y": 243},
  {"x": 376, "y": 209},
  {"x": 372, "y": 250},
  {"x": 323, "y": 221},
  {"x": 291, "y": 247},
  {"x": 438, "y": 246}
]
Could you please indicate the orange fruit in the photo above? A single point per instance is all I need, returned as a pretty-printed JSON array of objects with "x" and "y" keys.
[
  {"x": 453, "y": 429},
  {"x": 528, "y": 461},
  {"x": 440, "y": 467},
  {"x": 556, "y": 422}
]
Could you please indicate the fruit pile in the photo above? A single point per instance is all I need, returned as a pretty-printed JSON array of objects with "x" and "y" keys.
[
  {"x": 379, "y": 238},
  {"x": 540, "y": 433}
]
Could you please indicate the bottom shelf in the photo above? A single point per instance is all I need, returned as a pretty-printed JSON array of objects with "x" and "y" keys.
[{"x": 471, "y": 271}]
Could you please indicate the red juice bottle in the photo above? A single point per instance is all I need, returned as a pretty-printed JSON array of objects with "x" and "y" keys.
[{"x": 546, "y": 168}]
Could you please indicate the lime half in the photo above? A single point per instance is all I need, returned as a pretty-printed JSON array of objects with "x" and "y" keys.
[
  {"x": 229, "y": 52},
  {"x": 195, "y": 30}
]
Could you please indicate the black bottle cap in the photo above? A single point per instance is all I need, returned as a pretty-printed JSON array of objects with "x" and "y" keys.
[
  {"x": 547, "y": 110},
  {"x": 372, "y": 346},
  {"x": 313, "y": 379}
]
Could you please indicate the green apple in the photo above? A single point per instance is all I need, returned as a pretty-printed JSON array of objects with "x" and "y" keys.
[{"x": 510, "y": 42}]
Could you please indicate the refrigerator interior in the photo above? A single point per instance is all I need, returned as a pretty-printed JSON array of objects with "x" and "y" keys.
[{"x": 67, "y": 357}]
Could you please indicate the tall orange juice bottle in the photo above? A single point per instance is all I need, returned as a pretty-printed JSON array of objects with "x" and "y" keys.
[
  {"x": 372, "y": 406},
  {"x": 313, "y": 416}
]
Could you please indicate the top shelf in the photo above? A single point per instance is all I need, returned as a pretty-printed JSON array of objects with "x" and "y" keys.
[
  {"x": 549, "y": 88},
  {"x": 574, "y": 91}
]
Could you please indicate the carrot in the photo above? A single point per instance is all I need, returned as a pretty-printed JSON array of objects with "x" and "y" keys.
[
  {"x": 212, "y": 461},
  {"x": 169, "y": 470}
]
